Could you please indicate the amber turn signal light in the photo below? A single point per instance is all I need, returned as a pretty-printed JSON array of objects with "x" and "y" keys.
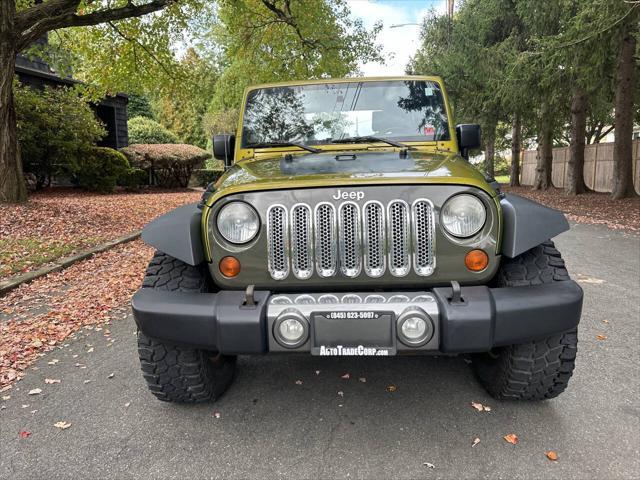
[
  {"x": 230, "y": 267},
  {"x": 476, "y": 260}
]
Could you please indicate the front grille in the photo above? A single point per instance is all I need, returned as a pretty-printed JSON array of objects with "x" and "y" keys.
[{"x": 351, "y": 239}]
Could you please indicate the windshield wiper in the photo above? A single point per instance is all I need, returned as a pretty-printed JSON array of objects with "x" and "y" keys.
[
  {"x": 285, "y": 144},
  {"x": 368, "y": 139}
]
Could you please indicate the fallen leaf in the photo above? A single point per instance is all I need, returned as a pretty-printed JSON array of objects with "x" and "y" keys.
[
  {"x": 81, "y": 365},
  {"x": 51, "y": 380},
  {"x": 429, "y": 465},
  {"x": 511, "y": 438},
  {"x": 62, "y": 425},
  {"x": 216, "y": 414},
  {"x": 6, "y": 397},
  {"x": 24, "y": 434},
  {"x": 346, "y": 376},
  {"x": 90, "y": 350},
  {"x": 53, "y": 362},
  {"x": 605, "y": 321},
  {"x": 111, "y": 375},
  {"x": 475, "y": 442},
  {"x": 298, "y": 382},
  {"x": 391, "y": 388},
  {"x": 480, "y": 407},
  {"x": 35, "y": 391},
  {"x": 24, "y": 405},
  {"x": 317, "y": 372},
  {"x": 87, "y": 381},
  {"x": 601, "y": 337},
  {"x": 587, "y": 279},
  {"x": 362, "y": 379},
  {"x": 127, "y": 404},
  {"x": 33, "y": 411},
  {"x": 551, "y": 455},
  {"x": 341, "y": 393}
]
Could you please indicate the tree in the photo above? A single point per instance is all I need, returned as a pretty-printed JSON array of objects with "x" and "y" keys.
[
  {"x": 265, "y": 41},
  {"x": 20, "y": 27},
  {"x": 625, "y": 92}
]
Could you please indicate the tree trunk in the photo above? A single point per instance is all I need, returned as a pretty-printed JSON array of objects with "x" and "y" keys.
[
  {"x": 12, "y": 186},
  {"x": 516, "y": 145},
  {"x": 490, "y": 150},
  {"x": 625, "y": 89},
  {"x": 575, "y": 166},
  {"x": 545, "y": 152}
]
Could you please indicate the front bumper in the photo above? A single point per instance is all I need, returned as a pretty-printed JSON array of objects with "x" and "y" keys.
[{"x": 483, "y": 318}]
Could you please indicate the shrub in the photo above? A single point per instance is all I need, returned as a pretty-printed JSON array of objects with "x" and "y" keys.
[
  {"x": 56, "y": 130},
  {"x": 170, "y": 165},
  {"x": 144, "y": 130},
  {"x": 102, "y": 169},
  {"x": 205, "y": 176},
  {"x": 134, "y": 178}
]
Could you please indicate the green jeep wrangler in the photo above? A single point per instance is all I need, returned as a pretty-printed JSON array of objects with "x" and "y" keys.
[{"x": 349, "y": 221}]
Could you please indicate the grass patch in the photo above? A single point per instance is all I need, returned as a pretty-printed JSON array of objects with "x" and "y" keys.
[
  {"x": 504, "y": 179},
  {"x": 23, "y": 254}
]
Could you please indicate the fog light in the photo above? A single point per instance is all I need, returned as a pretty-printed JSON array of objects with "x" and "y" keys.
[
  {"x": 414, "y": 327},
  {"x": 291, "y": 329}
]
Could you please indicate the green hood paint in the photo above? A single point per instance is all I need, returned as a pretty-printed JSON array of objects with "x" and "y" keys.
[{"x": 274, "y": 170}]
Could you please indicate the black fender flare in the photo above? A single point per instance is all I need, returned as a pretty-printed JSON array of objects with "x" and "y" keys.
[
  {"x": 528, "y": 224},
  {"x": 178, "y": 233}
]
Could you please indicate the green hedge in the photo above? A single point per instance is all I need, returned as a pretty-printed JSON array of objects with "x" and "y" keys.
[
  {"x": 205, "y": 176},
  {"x": 144, "y": 131},
  {"x": 104, "y": 168}
]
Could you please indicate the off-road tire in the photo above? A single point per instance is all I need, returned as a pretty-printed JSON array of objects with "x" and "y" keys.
[
  {"x": 536, "y": 370},
  {"x": 174, "y": 373}
]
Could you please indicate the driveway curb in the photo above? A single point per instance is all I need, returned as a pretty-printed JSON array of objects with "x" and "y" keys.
[{"x": 64, "y": 262}]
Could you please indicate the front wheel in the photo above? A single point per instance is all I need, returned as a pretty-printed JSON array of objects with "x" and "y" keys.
[
  {"x": 174, "y": 373},
  {"x": 535, "y": 370}
]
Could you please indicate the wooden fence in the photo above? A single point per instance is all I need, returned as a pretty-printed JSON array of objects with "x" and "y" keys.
[{"x": 598, "y": 166}]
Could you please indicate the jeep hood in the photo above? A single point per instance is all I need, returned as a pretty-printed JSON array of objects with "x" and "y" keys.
[{"x": 280, "y": 171}]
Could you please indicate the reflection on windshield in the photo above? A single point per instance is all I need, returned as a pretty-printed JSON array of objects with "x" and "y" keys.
[{"x": 314, "y": 114}]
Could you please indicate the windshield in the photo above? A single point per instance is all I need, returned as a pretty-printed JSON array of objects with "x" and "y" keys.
[{"x": 400, "y": 110}]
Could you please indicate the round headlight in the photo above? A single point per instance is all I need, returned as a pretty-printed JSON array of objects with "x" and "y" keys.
[
  {"x": 463, "y": 215},
  {"x": 238, "y": 222}
]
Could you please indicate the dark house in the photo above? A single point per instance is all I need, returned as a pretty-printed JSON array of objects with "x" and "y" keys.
[{"x": 112, "y": 110}]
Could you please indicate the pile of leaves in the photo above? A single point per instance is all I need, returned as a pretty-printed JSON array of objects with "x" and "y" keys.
[
  {"x": 593, "y": 208},
  {"x": 169, "y": 164},
  {"x": 61, "y": 222},
  {"x": 87, "y": 293}
]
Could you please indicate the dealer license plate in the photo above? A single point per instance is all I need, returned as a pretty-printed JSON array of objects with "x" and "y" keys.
[{"x": 353, "y": 333}]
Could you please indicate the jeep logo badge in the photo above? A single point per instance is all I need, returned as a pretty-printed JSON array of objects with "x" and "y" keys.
[{"x": 340, "y": 195}]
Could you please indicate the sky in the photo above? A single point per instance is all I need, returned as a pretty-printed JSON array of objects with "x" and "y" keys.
[{"x": 399, "y": 43}]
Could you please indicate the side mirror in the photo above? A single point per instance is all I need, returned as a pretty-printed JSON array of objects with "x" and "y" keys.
[
  {"x": 469, "y": 137},
  {"x": 223, "y": 148}
]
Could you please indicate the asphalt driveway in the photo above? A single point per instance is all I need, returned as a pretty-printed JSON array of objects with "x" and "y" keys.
[{"x": 269, "y": 425}]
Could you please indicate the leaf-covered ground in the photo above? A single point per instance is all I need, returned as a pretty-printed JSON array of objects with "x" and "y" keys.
[
  {"x": 594, "y": 208},
  {"x": 59, "y": 222},
  {"x": 39, "y": 316}
]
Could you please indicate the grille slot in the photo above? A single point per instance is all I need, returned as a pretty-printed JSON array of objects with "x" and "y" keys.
[
  {"x": 424, "y": 238},
  {"x": 374, "y": 244},
  {"x": 398, "y": 238},
  {"x": 326, "y": 240},
  {"x": 301, "y": 258},
  {"x": 278, "y": 245},
  {"x": 351, "y": 240}
]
